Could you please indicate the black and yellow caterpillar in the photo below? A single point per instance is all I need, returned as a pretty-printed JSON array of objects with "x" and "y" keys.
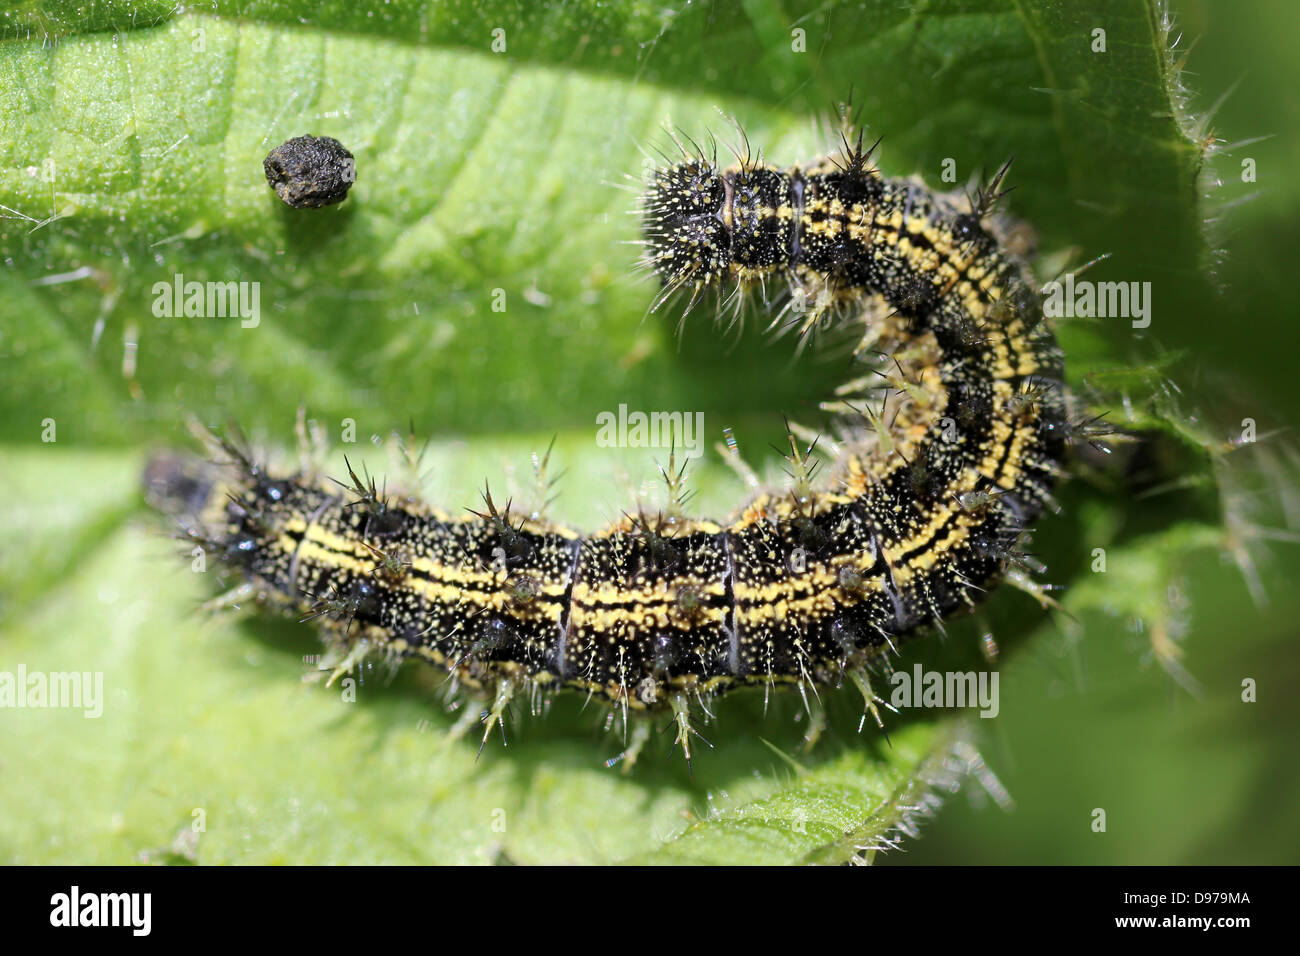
[{"x": 921, "y": 520}]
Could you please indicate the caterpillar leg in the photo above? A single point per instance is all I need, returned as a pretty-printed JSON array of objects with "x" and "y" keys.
[
  {"x": 231, "y": 599},
  {"x": 682, "y": 717},
  {"x": 1020, "y": 580},
  {"x": 816, "y": 724},
  {"x": 340, "y": 658},
  {"x": 505, "y": 691},
  {"x": 355, "y": 655},
  {"x": 312, "y": 444},
  {"x": 492, "y": 716},
  {"x": 638, "y": 734},
  {"x": 729, "y": 449},
  {"x": 470, "y": 716},
  {"x": 872, "y": 703},
  {"x": 543, "y": 483}
]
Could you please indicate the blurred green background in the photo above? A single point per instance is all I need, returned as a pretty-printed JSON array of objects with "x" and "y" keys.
[{"x": 480, "y": 170}]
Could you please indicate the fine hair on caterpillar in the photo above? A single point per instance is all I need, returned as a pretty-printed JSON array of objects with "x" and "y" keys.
[{"x": 950, "y": 446}]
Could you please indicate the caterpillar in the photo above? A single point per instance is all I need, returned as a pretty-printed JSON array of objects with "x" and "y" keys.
[{"x": 952, "y": 444}]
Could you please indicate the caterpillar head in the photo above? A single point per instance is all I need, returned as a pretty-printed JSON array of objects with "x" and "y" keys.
[
  {"x": 687, "y": 241},
  {"x": 180, "y": 485}
]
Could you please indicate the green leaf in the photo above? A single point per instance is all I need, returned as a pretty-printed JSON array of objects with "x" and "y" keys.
[{"x": 131, "y": 141}]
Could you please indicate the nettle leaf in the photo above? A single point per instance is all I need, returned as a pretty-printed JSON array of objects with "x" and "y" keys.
[{"x": 489, "y": 139}]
